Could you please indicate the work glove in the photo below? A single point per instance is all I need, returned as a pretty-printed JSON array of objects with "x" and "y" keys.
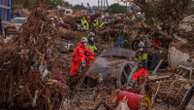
[
  {"x": 83, "y": 63},
  {"x": 96, "y": 51}
]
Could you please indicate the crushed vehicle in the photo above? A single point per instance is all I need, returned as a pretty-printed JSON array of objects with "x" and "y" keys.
[
  {"x": 111, "y": 67},
  {"x": 18, "y": 21},
  {"x": 13, "y": 27}
]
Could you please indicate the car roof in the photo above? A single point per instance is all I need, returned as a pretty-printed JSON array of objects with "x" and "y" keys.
[
  {"x": 118, "y": 52},
  {"x": 19, "y": 18}
]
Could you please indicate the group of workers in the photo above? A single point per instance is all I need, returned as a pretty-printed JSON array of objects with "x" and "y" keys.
[
  {"x": 84, "y": 52},
  {"x": 147, "y": 51},
  {"x": 97, "y": 23}
]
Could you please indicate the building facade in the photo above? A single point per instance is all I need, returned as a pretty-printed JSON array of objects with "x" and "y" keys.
[{"x": 5, "y": 9}]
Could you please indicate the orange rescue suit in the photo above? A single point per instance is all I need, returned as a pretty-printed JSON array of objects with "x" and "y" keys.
[{"x": 80, "y": 54}]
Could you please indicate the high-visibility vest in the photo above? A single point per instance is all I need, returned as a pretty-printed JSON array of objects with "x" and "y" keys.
[
  {"x": 84, "y": 24},
  {"x": 92, "y": 47},
  {"x": 143, "y": 57},
  {"x": 98, "y": 24},
  {"x": 102, "y": 24}
]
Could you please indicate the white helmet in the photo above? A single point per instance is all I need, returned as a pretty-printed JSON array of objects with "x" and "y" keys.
[
  {"x": 139, "y": 13},
  {"x": 84, "y": 40},
  {"x": 91, "y": 34}
]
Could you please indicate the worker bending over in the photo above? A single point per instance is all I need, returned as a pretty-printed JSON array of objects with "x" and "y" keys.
[{"x": 81, "y": 56}]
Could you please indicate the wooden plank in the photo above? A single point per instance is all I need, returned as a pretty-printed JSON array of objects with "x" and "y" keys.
[{"x": 155, "y": 77}]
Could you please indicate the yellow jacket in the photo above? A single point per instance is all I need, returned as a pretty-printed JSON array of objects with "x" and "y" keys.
[
  {"x": 84, "y": 23},
  {"x": 98, "y": 24}
]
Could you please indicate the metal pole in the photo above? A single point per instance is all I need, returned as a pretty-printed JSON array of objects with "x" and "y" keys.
[
  {"x": 157, "y": 67},
  {"x": 107, "y": 4},
  {"x": 98, "y": 4},
  {"x": 104, "y": 5},
  {"x": 101, "y": 4}
]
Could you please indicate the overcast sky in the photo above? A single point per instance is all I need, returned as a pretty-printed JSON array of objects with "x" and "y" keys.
[{"x": 92, "y": 2}]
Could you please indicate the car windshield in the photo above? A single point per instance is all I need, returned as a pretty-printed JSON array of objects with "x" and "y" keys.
[{"x": 19, "y": 20}]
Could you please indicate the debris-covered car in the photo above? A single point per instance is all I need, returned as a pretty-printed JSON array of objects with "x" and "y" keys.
[
  {"x": 18, "y": 21},
  {"x": 12, "y": 27},
  {"x": 113, "y": 65}
]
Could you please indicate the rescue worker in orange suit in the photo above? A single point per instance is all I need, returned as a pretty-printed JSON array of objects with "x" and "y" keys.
[{"x": 82, "y": 56}]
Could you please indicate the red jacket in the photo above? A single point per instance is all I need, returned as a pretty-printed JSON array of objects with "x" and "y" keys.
[
  {"x": 142, "y": 72},
  {"x": 82, "y": 53},
  {"x": 133, "y": 99}
]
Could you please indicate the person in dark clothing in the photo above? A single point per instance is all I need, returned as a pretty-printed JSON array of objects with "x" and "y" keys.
[
  {"x": 153, "y": 58},
  {"x": 120, "y": 41}
]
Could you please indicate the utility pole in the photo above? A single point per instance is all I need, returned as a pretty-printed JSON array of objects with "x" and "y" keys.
[
  {"x": 107, "y": 3},
  {"x": 103, "y": 4},
  {"x": 98, "y": 4}
]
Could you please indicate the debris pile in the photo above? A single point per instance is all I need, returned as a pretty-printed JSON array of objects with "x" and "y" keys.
[
  {"x": 169, "y": 11},
  {"x": 169, "y": 88},
  {"x": 172, "y": 94},
  {"x": 31, "y": 67},
  {"x": 187, "y": 24},
  {"x": 35, "y": 62}
]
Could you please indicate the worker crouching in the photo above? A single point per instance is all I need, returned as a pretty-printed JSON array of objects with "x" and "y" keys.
[{"x": 81, "y": 56}]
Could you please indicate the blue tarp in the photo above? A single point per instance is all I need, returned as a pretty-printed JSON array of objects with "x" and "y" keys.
[{"x": 5, "y": 9}]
